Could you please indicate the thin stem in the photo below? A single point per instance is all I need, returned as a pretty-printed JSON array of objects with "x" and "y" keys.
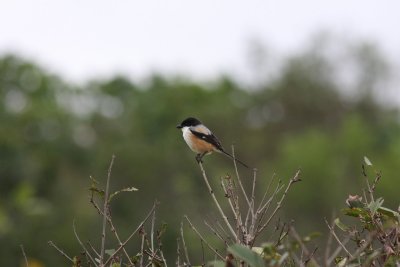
[
  {"x": 105, "y": 212},
  {"x": 23, "y": 253},
  {"x": 60, "y": 250},
  {"x": 310, "y": 256},
  {"x": 295, "y": 178},
  {"x": 337, "y": 239},
  {"x": 240, "y": 180},
  {"x": 202, "y": 238},
  {"x": 82, "y": 245},
  {"x": 184, "y": 247},
  {"x": 132, "y": 234},
  {"x": 94, "y": 250},
  {"x": 224, "y": 217}
]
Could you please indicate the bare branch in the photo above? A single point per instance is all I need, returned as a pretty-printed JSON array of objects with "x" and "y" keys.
[
  {"x": 202, "y": 238},
  {"x": 23, "y": 254},
  {"x": 105, "y": 212},
  {"x": 337, "y": 239},
  {"x": 133, "y": 233},
  {"x": 293, "y": 180},
  {"x": 60, "y": 250},
  {"x": 184, "y": 246},
  {"x": 240, "y": 180},
  {"x": 310, "y": 256},
  {"x": 224, "y": 217},
  {"x": 82, "y": 245}
]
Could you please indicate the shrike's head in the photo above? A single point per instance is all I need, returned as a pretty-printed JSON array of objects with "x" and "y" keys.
[{"x": 189, "y": 122}]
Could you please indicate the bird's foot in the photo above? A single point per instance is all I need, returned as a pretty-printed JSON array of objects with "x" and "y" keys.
[{"x": 198, "y": 158}]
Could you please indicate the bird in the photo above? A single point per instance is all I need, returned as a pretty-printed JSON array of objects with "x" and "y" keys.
[{"x": 201, "y": 140}]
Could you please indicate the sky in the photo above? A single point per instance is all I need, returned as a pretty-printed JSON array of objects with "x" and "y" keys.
[{"x": 81, "y": 40}]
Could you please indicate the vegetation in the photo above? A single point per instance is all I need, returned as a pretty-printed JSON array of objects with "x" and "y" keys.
[{"x": 55, "y": 135}]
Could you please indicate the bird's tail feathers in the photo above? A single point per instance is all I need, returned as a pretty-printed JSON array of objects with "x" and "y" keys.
[{"x": 229, "y": 155}]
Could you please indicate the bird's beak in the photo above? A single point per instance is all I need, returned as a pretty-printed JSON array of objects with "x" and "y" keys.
[{"x": 179, "y": 126}]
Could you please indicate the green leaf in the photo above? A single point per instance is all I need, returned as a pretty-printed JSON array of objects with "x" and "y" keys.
[
  {"x": 311, "y": 236},
  {"x": 247, "y": 255},
  {"x": 135, "y": 259},
  {"x": 390, "y": 213},
  {"x": 216, "y": 264},
  {"x": 355, "y": 212},
  {"x": 283, "y": 258},
  {"x": 110, "y": 252},
  {"x": 341, "y": 225},
  {"x": 367, "y": 161},
  {"x": 375, "y": 205},
  {"x": 94, "y": 189},
  {"x": 162, "y": 230},
  {"x": 342, "y": 262},
  {"x": 128, "y": 189}
]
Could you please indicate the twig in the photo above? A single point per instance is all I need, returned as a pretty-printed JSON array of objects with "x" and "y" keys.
[
  {"x": 310, "y": 256},
  {"x": 105, "y": 212},
  {"x": 253, "y": 199},
  {"x": 266, "y": 192},
  {"x": 377, "y": 178},
  {"x": 114, "y": 230},
  {"x": 202, "y": 253},
  {"x": 216, "y": 202},
  {"x": 202, "y": 238},
  {"x": 328, "y": 245},
  {"x": 363, "y": 247},
  {"x": 60, "y": 250},
  {"x": 293, "y": 180},
  {"x": 184, "y": 246},
  {"x": 337, "y": 251},
  {"x": 94, "y": 250},
  {"x": 238, "y": 178},
  {"x": 23, "y": 253},
  {"x": 337, "y": 238},
  {"x": 142, "y": 233},
  {"x": 82, "y": 245},
  {"x": 217, "y": 234},
  {"x": 178, "y": 252},
  {"x": 133, "y": 233},
  {"x": 153, "y": 218}
]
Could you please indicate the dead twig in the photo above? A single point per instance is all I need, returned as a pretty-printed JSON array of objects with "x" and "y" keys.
[
  {"x": 224, "y": 217},
  {"x": 337, "y": 239},
  {"x": 51, "y": 244},
  {"x": 105, "y": 212},
  {"x": 184, "y": 246},
  {"x": 202, "y": 238},
  {"x": 23, "y": 254},
  {"x": 132, "y": 234}
]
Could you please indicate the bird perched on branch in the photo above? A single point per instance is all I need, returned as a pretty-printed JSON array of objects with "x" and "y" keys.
[{"x": 201, "y": 140}]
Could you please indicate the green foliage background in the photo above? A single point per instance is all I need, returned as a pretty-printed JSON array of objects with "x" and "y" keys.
[{"x": 55, "y": 134}]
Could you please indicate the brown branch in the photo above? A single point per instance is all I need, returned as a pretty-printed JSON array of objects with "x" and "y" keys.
[
  {"x": 184, "y": 246},
  {"x": 309, "y": 255},
  {"x": 293, "y": 180},
  {"x": 132, "y": 234},
  {"x": 337, "y": 239},
  {"x": 224, "y": 217},
  {"x": 60, "y": 250},
  {"x": 82, "y": 245},
  {"x": 105, "y": 212},
  {"x": 202, "y": 238},
  {"x": 23, "y": 254}
]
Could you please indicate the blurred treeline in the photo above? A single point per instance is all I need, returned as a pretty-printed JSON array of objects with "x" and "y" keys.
[{"x": 317, "y": 112}]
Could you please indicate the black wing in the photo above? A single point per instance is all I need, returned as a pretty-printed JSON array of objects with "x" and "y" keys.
[{"x": 209, "y": 138}]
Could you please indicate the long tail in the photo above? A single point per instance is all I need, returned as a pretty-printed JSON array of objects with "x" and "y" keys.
[{"x": 229, "y": 155}]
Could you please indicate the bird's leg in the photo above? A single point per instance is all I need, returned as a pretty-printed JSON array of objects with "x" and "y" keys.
[{"x": 199, "y": 157}]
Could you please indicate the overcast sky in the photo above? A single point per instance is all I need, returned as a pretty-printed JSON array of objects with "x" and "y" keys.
[{"x": 83, "y": 39}]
